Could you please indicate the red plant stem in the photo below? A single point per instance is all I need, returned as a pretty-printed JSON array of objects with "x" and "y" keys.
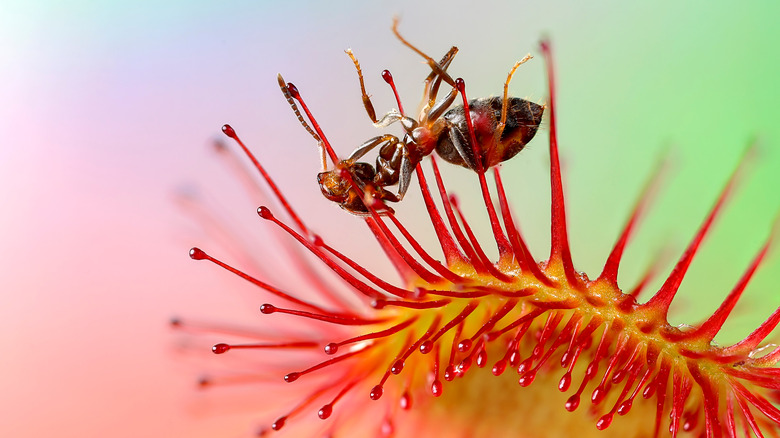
[
  {"x": 436, "y": 386},
  {"x": 459, "y": 294},
  {"x": 650, "y": 273},
  {"x": 610, "y": 271},
  {"x": 381, "y": 304},
  {"x": 730, "y": 423},
  {"x": 504, "y": 249},
  {"x": 663, "y": 298},
  {"x": 268, "y": 309},
  {"x": 449, "y": 372},
  {"x": 404, "y": 271},
  {"x": 519, "y": 246},
  {"x": 399, "y": 363},
  {"x": 475, "y": 244},
  {"x": 199, "y": 254},
  {"x": 470, "y": 254},
  {"x": 528, "y": 317},
  {"x": 660, "y": 384},
  {"x": 448, "y": 246},
  {"x": 438, "y": 267},
  {"x": 427, "y": 345},
  {"x": 465, "y": 345},
  {"x": 748, "y": 417},
  {"x": 327, "y": 409},
  {"x": 362, "y": 287},
  {"x": 418, "y": 269},
  {"x": 223, "y": 348},
  {"x": 291, "y": 377},
  {"x": 297, "y": 96},
  {"x": 393, "y": 290},
  {"x": 389, "y": 79},
  {"x": 333, "y": 347},
  {"x": 280, "y": 422},
  {"x": 559, "y": 240},
  {"x": 759, "y": 402},
  {"x": 711, "y": 404},
  {"x": 752, "y": 341},
  {"x": 709, "y": 328},
  {"x": 230, "y": 132}
]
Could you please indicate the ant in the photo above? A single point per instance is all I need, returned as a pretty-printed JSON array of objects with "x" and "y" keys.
[
  {"x": 501, "y": 127},
  {"x": 351, "y": 184}
]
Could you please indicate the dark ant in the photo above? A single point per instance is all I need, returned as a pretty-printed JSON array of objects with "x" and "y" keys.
[{"x": 501, "y": 126}]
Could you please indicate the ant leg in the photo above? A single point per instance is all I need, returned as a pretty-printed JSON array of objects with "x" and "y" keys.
[
  {"x": 433, "y": 81},
  {"x": 505, "y": 100},
  {"x": 371, "y": 144},
  {"x": 385, "y": 195},
  {"x": 366, "y": 98},
  {"x": 323, "y": 157},
  {"x": 438, "y": 109},
  {"x": 434, "y": 66},
  {"x": 392, "y": 116},
  {"x": 291, "y": 102},
  {"x": 405, "y": 175},
  {"x": 431, "y": 90},
  {"x": 463, "y": 146}
]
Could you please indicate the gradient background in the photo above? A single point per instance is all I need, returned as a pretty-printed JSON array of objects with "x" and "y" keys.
[{"x": 107, "y": 112}]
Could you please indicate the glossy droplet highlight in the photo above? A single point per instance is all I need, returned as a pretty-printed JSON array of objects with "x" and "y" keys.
[
  {"x": 325, "y": 412},
  {"x": 220, "y": 348},
  {"x": 376, "y": 392},
  {"x": 291, "y": 377}
]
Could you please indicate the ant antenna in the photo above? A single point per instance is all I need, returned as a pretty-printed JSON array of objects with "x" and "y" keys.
[
  {"x": 505, "y": 101},
  {"x": 433, "y": 64},
  {"x": 291, "y": 102}
]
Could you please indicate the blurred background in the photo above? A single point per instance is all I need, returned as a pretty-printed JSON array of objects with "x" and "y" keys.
[{"x": 108, "y": 176}]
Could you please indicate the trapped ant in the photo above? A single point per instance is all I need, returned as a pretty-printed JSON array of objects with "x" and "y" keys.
[
  {"x": 351, "y": 184},
  {"x": 501, "y": 127}
]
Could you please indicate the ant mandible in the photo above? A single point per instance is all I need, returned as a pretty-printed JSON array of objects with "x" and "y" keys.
[{"x": 501, "y": 127}]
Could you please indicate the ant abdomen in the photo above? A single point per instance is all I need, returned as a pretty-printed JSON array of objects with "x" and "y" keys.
[{"x": 522, "y": 121}]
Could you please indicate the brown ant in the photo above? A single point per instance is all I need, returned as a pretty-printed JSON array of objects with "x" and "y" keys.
[{"x": 501, "y": 127}]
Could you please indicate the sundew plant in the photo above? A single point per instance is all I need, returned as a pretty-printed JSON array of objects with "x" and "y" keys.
[{"x": 461, "y": 344}]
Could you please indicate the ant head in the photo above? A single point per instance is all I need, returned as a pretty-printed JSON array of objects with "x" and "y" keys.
[{"x": 335, "y": 184}]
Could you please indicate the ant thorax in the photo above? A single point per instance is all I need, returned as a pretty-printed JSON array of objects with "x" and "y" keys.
[
  {"x": 423, "y": 139},
  {"x": 351, "y": 185}
]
